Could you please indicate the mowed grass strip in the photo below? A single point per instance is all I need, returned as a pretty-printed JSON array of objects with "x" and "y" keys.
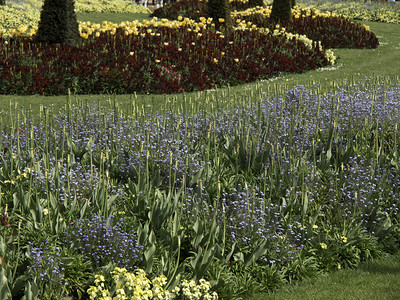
[{"x": 375, "y": 280}]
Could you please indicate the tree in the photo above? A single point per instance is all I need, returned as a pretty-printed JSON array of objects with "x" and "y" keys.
[
  {"x": 218, "y": 10},
  {"x": 254, "y": 3},
  {"x": 58, "y": 23},
  {"x": 281, "y": 10}
]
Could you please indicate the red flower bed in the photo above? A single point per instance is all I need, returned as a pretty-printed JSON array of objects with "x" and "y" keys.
[
  {"x": 333, "y": 32},
  {"x": 171, "y": 61}
]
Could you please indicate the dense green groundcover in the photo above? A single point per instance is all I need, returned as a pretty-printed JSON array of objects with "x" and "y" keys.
[{"x": 98, "y": 201}]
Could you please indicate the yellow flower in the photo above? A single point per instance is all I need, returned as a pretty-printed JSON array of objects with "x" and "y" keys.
[
  {"x": 323, "y": 246},
  {"x": 131, "y": 53},
  {"x": 236, "y": 59},
  {"x": 344, "y": 239},
  {"x": 339, "y": 266},
  {"x": 92, "y": 291},
  {"x": 315, "y": 226},
  {"x": 221, "y": 20},
  {"x": 157, "y": 60},
  {"x": 215, "y": 60},
  {"x": 180, "y": 18}
]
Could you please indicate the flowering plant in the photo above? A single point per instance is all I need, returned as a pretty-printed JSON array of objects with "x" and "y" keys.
[{"x": 137, "y": 285}]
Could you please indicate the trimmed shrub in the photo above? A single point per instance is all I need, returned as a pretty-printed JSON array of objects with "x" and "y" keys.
[
  {"x": 58, "y": 23},
  {"x": 218, "y": 10},
  {"x": 254, "y": 3},
  {"x": 281, "y": 10}
]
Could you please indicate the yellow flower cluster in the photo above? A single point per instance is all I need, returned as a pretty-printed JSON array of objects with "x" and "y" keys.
[
  {"x": 329, "y": 55},
  {"x": 87, "y": 28},
  {"x": 194, "y": 292},
  {"x": 136, "y": 286},
  {"x": 132, "y": 286},
  {"x": 367, "y": 11},
  {"x": 12, "y": 17},
  {"x": 297, "y": 12}
]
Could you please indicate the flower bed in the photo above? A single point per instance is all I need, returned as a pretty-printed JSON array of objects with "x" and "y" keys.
[
  {"x": 332, "y": 30},
  {"x": 154, "y": 57},
  {"x": 266, "y": 193}
]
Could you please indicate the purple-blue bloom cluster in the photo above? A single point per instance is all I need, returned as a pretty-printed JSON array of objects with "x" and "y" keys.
[
  {"x": 262, "y": 168},
  {"x": 103, "y": 241},
  {"x": 45, "y": 267}
]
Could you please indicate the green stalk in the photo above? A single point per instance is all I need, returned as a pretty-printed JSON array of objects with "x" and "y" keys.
[{"x": 18, "y": 247}]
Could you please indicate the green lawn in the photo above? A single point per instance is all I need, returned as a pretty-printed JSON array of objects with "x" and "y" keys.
[{"x": 377, "y": 280}]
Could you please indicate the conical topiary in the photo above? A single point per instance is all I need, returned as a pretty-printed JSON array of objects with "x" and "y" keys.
[
  {"x": 218, "y": 10},
  {"x": 254, "y": 3},
  {"x": 281, "y": 10},
  {"x": 58, "y": 23}
]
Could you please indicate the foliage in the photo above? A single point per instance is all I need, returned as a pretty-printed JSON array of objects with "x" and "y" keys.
[
  {"x": 253, "y": 3},
  {"x": 281, "y": 11},
  {"x": 219, "y": 12},
  {"x": 264, "y": 193},
  {"x": 238, "y": 199},
  {"x": 193, "y": 9},
  {"x": 58, "y": 23}
]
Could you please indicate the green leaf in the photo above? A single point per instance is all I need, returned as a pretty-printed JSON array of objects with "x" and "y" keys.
[
  {"x": 31, "y": 291},
  {"x": 256, "y": 254},
  {"x": 5, "y": 292},
  {"x": 18, "y": 284}
]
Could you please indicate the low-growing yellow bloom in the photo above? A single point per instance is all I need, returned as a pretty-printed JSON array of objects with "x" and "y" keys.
[
  {"x": 344, "y": 239},
  {"x": 221, "y": 20},
  {"x": 323, "y": 246}
]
